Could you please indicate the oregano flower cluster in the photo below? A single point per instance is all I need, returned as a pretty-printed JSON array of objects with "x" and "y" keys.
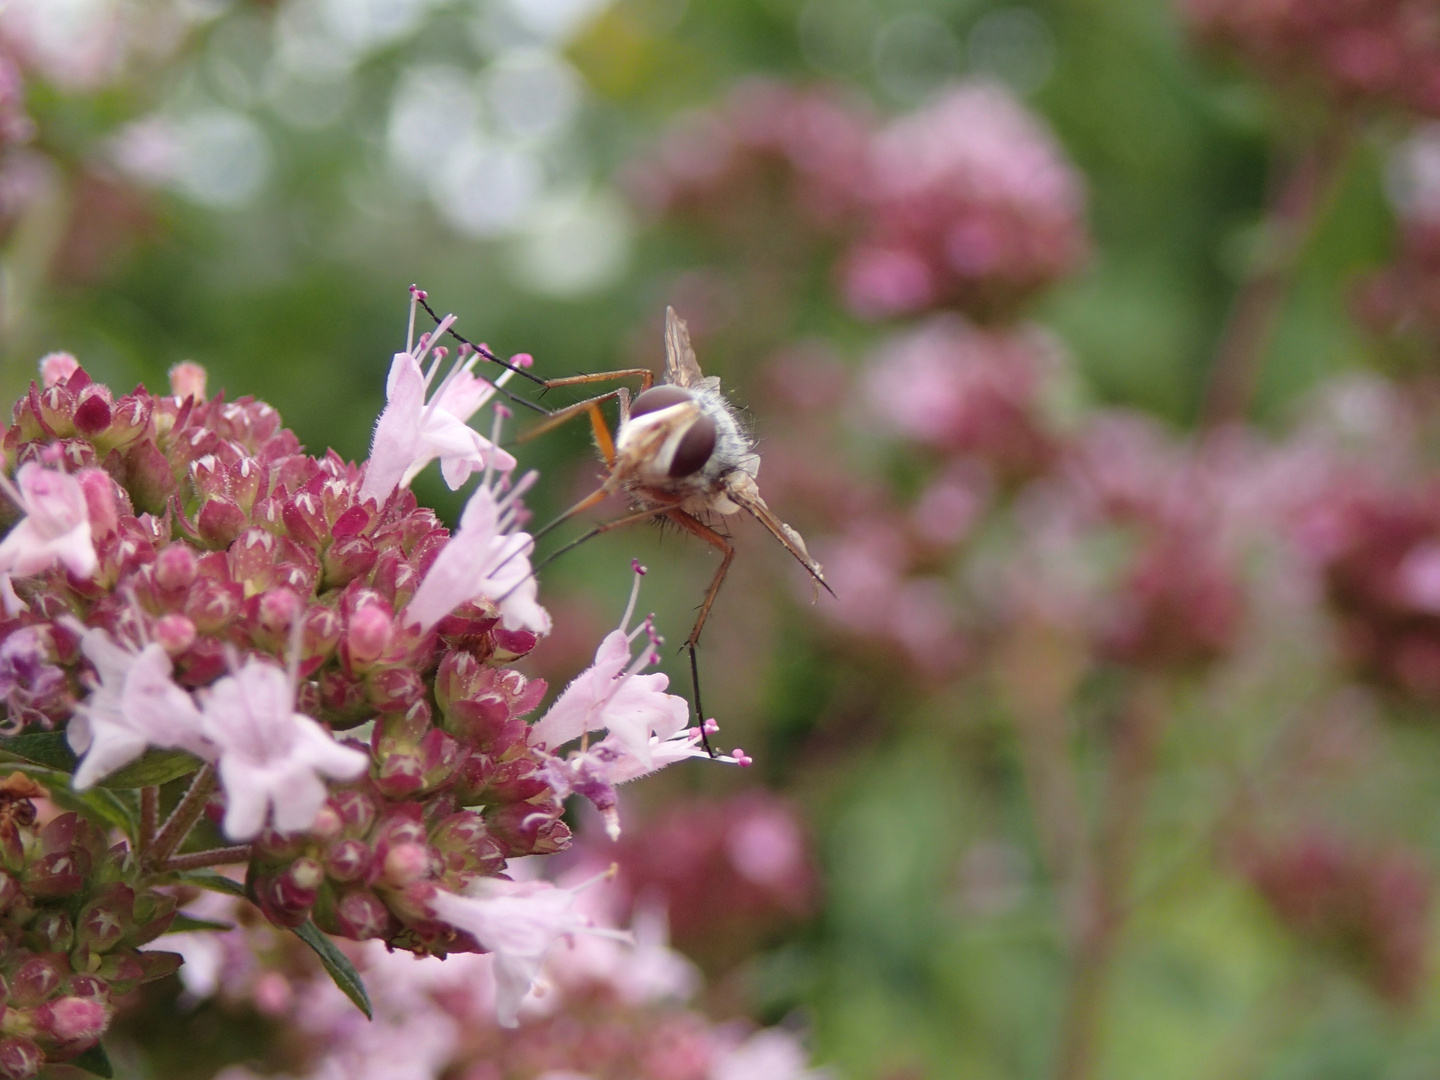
[{"x": 219, "y": 650}]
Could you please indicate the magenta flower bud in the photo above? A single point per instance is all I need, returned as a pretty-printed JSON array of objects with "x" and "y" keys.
[
  {"x": 213, "y": 605},
  {"x": 405, "y": 863},
  {"x": 56, "y": 368},
  {"x": 174, "y": 633},
  {"x": 527, "y": 829},
  {"x": 88, "y": 986},
  {"x": 187, "y": 380},
  {"x": 343, "y": 701},
  {"x": 92, "y": 410},
  {"x": 394, "y": 689},
  {"x": 219, "y": 522},
  {"x": 151, "y": 481},
  {"x": 209, "y": 477},
  {"x": 72, "y": 1020},
  {"x": 362, "y": 915},
  {"x": 278, "y": 610},
  {"x": 327, "y": 824},
  {"x": 53, "y": 931},
  {"x": 348, "y": 860},
  {"x": 20, "y": 1059},
  {"x": 103, "y": 922},
  {"x": 322, "y": 632},
  {"x": 175, "y": 567},
  {"x": 368, "y": 633},
  {"x": 464, "y": 845},
  {"x": 61, "y": 874},
  {"x": 305, "y": 520},
  {"x": 290, "y": 896},
  {"x": 99, "y": 500},
  {"x": 246, "y": 476},
  {"x": 348, "y": 558},
  {"x": 35, "y": 980},
  {"x": 129, "y": 420},
  {"x": 356, "y": 810}
]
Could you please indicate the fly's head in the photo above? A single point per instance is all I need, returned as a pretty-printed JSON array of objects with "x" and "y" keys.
[{"x": 665, "y": 442}]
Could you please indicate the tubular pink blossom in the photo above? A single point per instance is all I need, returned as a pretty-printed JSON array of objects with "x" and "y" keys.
[
  {"x": 412, "y": 431},
  {"x": 484, "y": 560},
  {"x": 270, "y": 756},
  {"x": 135, "y": 706}
]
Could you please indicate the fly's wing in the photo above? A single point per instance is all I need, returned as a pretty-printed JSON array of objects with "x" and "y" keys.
[
  {"x": 742, "y": 489},
  {"x": 681, "y": 367}
]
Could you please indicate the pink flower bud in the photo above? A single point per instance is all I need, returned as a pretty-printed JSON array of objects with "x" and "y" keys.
[
  {"x": 394, "y": 689},
  {"x": 20, "y": 1059},
  {"x": 175, "y": 633},
  {"x": 35, "y": 981},
  {"x": 361, "y": 915},
  {"x": 278, "y": 610},
  {"x": 187, "y": 379},
  {"x": 347, "y": 860},
  {"x": 368, "y": 633},
  {"x": 93, "y": 410},
  {"x": 356, "y": 810},
  {"x": 327, "y": 824},
  {"x": 405, "y": 863},
  {"x": 151, "y": 480},
  {"x": 99, "y": 500},
  {"x": 348, "y": 558},
  {"x": 57, "y": 367},
  {"x": 213, "y": 605},
  {"x": 219, "y": 522},
  {"x": 72, "y": 1019}
]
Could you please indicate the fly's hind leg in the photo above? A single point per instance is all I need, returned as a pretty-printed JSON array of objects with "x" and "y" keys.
[{"x": 695, "y": 526}]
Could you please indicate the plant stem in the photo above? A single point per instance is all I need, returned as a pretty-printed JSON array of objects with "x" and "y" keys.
[
  {"x": 1255, "y": 312},
  {"x": 149, "y": 817},
  {"x": 1132, "y": 766},
  {"x": 177, "y": 827},
  {"x": 198, "y": 860}
]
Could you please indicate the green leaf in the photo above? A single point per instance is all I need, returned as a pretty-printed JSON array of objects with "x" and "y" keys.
[
  {"x": 48, "y": 748},
  {"x": 156, "y": 767},
  {"x": 184, "y": 924},
  {"x": 105, "y": 805},
  {"x": 94, "y": 1061},
  {"x": 337, "y": 964},
  {"x": 206, "y": 879}
]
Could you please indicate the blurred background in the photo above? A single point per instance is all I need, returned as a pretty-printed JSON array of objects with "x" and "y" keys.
[{"x": 1091, "y": 344}]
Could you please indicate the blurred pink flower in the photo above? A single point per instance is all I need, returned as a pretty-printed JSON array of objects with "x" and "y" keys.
[
  {"x": 969, "y": 203},
  {"x": 519, "y": 922},
  {"x": 56, "y": 526},
  {"x": 270, "y": 756}
]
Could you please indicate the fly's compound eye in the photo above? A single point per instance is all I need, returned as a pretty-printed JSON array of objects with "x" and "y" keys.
[
  {"x": 657, "y": 398},
  {"x": 694, "y": 449}
]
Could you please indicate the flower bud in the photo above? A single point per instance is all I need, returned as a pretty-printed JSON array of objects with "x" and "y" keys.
[
  {"x": 103, "y": 922},
  {"x": 394, "y": 689},
  {"x": 20, "y": 1059},
  {"x": 36, "y": 979},
  {"x": 348, "y": 860},
  {"x": 219, "y": 522},
  {"x": 212, "y": 605},
  {"x": 72, "y": 1020},
  {"x": 361, "y": 914},
  {"x": 175, "y": 567},
  {"x": 92, "y": 410},
  {"x": 129, "y": 420},
  {"x": 52, "y": 931},
  {"x": 100, "y": 501},
  {"x": 368, "y": 633},
  {"x": 187, "y": 380},
  {"x": 356, "y": 810},
  {"x": 174, "y": 633},
  {"x": 348, "y": 558},
  {"x": 405, "y": 863},
  {"x": 57, "y": 367}
]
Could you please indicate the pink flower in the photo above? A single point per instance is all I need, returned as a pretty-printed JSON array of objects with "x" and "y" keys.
[
  {"x": 269, "y": 754},
  {"x": 56, "y": 367},
  {"x": 56, "y": 524},
  {"x": 519, "y": 922},
  {"x": 135, "y": 706},
  {"x": 412, "y": 432},
  {"x": 484, "y": 560},
  {"x": 612, "y": 694}
]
